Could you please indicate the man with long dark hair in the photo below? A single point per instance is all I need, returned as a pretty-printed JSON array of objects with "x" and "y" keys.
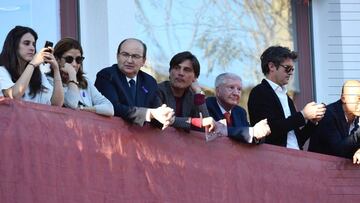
[{"x": 183, "y": 93}]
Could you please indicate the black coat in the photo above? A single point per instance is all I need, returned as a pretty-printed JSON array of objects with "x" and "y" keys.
[
  {"x": 332, "y": 136},
  {"x": 264, "y": 103}
]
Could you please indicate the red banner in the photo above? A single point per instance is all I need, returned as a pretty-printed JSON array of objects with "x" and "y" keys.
[{"x": 52, "y": 154}]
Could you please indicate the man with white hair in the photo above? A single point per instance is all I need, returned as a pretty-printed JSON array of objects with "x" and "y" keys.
[{"x": 228, "y": 89}]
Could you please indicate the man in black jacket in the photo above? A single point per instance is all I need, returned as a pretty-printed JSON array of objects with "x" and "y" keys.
[
  {"x": 337, "y": 133},
  {"x": 269, "y": 99}
]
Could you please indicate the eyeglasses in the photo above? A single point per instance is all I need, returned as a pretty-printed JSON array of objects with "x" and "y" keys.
[
  {"x": 70, "y": 59},
  {"x": 133, "y": 56},
  {"x": 288, "y": 68}
]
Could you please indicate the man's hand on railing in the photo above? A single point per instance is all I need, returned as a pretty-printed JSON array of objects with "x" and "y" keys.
[{"x": 356, "y": 157}]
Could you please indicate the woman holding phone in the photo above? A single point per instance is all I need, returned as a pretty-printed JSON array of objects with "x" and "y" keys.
[
  {"x": 20, "y": 75},
  {"x": 79, "y": 93}
]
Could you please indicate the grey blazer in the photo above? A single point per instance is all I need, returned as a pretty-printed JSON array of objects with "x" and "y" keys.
[{"x": 189, "y": 109}]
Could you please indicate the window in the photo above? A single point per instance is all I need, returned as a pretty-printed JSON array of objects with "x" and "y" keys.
[
  {"x": 31, "y": 13},
  {"x": 224, "y": 35}
]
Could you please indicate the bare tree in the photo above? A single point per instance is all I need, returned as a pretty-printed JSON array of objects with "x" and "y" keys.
[{"x": 227, "y": 32}]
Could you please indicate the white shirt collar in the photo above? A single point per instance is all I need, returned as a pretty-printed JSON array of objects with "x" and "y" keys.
[
  {"x": 221, "y": 108},
  {"x": 291, "y": 141},
  {"x": 128, "y": 79},
  {"x": 276, "y": 87}
]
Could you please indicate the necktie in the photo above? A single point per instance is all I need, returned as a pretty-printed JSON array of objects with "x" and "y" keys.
[
  {"x": 227, "y": 117},
  {"x": 356, "y": 125},
  {"x": 132, "y": 88}
]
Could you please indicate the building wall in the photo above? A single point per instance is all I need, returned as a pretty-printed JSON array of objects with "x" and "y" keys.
[{"x": 336, "y": 44}]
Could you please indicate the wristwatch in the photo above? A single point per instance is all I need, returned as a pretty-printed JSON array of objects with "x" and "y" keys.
[{"x": 73, "y": 81}]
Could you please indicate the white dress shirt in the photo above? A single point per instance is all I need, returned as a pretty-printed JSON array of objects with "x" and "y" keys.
[{"x": 281, "y": 93}]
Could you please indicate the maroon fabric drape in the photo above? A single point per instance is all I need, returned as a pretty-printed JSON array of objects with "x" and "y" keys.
[{"x": 52, "y": 154}]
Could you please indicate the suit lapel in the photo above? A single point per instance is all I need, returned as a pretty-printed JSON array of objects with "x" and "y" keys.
[
  {"x": 169, "y": 94},
  {"x": 217, "y": 110},
  {"x": 122, "y": 84},
  {"x": 273, "y": 96},
  {"x": 291, "y": 106},
  {"x": 235, "y": 117},
  {"x": 239, "y": 117},
  {"x": 140, "y": 97},
  {"x": 141, "y": 90},
  {"x": 187, "y": 103},
  {"x": 340, "y": 118}
]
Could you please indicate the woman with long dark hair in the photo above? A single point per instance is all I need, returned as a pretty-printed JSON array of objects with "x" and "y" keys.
[
  {"x": 20, "y": 75},
  {"x": 79, "y": 93}
]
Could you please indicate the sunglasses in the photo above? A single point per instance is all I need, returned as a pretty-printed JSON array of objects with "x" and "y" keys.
[
  {"x": 288, "y": 68},
  {"x": 70, "y": 59}
]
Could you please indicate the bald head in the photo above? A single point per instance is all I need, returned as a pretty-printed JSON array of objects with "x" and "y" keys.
[
  {"x": 350, "y": 87},
  {"x": 350, "y": 97},
  {"x": 133, "y": 39}
]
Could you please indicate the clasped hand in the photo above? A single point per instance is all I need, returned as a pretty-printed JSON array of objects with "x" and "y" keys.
[
  {"x": 261, "y": 129},
  {"x": 314, "y": 112},
  {"x": 164, "y": 115}
]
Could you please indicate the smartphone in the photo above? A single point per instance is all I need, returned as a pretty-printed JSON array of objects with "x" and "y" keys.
[{"x": 48, "y": 44}]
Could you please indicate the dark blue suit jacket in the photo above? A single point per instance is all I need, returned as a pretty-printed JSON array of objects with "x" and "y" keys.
[
  {"x": 331, "y": 135},
  {"x": 240, "y": 127},
  {"x": 112, "y": 83}
]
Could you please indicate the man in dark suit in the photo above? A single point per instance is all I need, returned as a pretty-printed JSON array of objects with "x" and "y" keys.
[
  {"x": 336, "y": 134},
  {"x": 183, "y": 93},
  {"x": 269, "y": 100},
  {"x": 228, "y": 89},
  {"x": 132, "y": 92}
]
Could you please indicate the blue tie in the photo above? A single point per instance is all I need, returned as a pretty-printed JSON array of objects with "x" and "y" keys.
[{"x": 132, "y": 88}]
